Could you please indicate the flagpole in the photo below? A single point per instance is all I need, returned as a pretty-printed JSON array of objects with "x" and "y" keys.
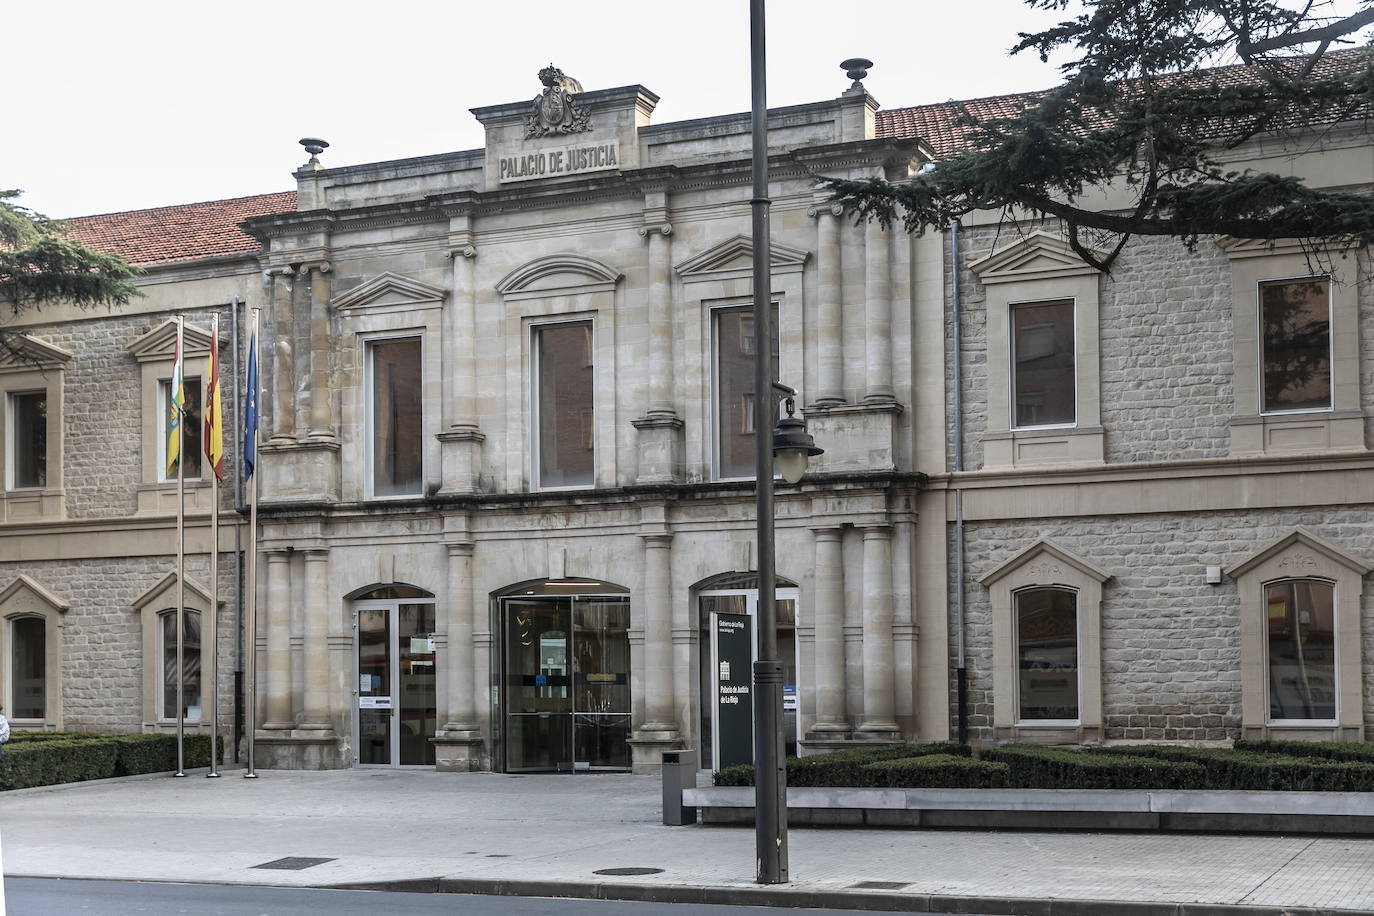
[
  {"x": 211, "y": 418},
  {"x": 177, "y": 380},
  {"x": 251, "y": 637}
]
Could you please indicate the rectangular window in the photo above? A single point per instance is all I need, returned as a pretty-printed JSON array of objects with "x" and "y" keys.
[
  {"x": 397, "y": 458},
  {"x": 1302, "y": 649},
  {"x": 29, "y": 440},
  {"x": 1043, "y": 388},
  {"x": 565, "y": 415},
  {"x": 1295, "y": 316},
  {"x": 1047, "y": 653},
  {"x": 190, "y": 664},
  {"x": 28, "y": 659},
  {"x": 190, "y": 428},
  {"x": 734, "y": 389}
]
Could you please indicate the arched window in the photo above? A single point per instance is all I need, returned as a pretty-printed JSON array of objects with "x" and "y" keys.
[
  {"x": 190, "y": 664},
  {"x": 28, "y": 668},
  {"x": 1047, "y": 654},
  {"x": 31, "y": 653},
  {"x": 1300, "y": 639}
]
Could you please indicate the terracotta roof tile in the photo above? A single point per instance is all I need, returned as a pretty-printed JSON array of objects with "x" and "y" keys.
[{"x": 181, "y": 233}]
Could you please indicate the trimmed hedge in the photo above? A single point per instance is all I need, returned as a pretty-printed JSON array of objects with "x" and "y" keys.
[
  {"x": 1332, "y": 750},
  {"x": 56, "y": 758},
  {"x": 936, "y": 771},
  {"x": 841, "y": 768},
  {"x": 1038, "y": 767},
  {"x": 1250, "y": 770}
]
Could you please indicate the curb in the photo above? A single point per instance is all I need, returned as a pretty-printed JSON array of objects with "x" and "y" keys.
[{"x": 888, "y": 902}]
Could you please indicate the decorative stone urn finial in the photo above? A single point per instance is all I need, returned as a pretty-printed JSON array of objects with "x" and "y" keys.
[
  {"x": 856, "y": 68},
  {"x": 314, "y": 146}
]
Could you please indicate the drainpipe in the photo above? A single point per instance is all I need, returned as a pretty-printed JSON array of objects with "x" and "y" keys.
[{"x": 956, "y": 361}]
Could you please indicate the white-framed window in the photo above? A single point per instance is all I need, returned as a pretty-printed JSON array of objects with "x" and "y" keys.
[
  {"x": 1044, "y": 388},
  {"x": 26, "y": 440},
  {"x": 28, "y": 667},
  {"x": 562, "y": 402},
  {"x": 732, "y": 388},
  {"x": 395, "y": 417},
  {"x": 190, "y": 665},
  {"x": 191, "y": 445},
  {"x": 1295, "y": 344},
  {"x": 1046, "y": 654},
  {"x": 1300, "y": 649}
]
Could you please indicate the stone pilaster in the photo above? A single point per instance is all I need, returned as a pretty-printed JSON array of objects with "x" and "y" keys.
[
  {"x": 659, "y": 731},
  {"x": 457, "y": 746},
  {"x": 277, "y": 683},
  {"x": 315, "y": 717},
  {"x": 283, "y": 356},
  {"x": 660, "y": 429},
  {"x": 461, "y": 438},
  {"x": 321, "y": 353},
  {"x": 877, "y": 315},
  {"x": 831, "y": 723},
  {"x": 879, "y": 661},
  {"x": 829, "y": 307}
]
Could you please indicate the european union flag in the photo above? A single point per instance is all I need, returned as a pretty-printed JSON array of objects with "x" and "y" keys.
[{"x": 250, "y": 416}]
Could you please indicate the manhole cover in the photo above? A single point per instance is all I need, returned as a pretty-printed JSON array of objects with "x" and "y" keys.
[
  {"x": 293, "y": 863},
  {"x": 628, "y": 871},
  {"x": 880, "y": 885}
]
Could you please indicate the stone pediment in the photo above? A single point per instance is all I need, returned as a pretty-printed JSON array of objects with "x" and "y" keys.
[
  {"x": 1038, "y": 256},
  {"x": 735, "y": 258},
  {"x": 31, "y": 353},
  {"x": 161, "y": 342},
  {"x": 1258, "y": 248},
  {"x": 26, "y": 595},
  {"x": 559, "y": 272},
  {"x": 1300, "y": 549},
  {"x": 163, "y": 593},
  {"x": 390, "y": 292},
  {"x": 1054, "y": 559}
]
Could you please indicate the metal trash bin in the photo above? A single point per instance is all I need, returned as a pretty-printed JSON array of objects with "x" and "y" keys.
[{"x": 679, "y": 772}]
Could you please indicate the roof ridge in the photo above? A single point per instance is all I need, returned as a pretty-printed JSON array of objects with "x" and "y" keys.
[{"x": 183, "y": 206}]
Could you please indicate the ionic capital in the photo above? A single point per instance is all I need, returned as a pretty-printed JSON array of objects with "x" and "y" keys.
[
  {"x": 663, "y": 229},
  {"x": 832, "y": 209}
]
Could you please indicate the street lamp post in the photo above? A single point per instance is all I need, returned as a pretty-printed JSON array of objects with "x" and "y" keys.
[{"x": 793, "y": 446}]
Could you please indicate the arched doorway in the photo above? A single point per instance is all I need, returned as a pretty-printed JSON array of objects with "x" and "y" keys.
[
  {"x": 728, "y": 645},
  {"x": 564, "y": 676},
  {"x": 394, "y": 654}
]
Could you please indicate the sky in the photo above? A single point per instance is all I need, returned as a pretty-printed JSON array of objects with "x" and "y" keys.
[{"x": 145, "y": 103}]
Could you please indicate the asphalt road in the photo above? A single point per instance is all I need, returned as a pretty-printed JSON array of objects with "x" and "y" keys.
[{"x": 65, "y": 897}]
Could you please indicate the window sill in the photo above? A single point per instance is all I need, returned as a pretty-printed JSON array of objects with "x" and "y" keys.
[
  {"x": 1307, "y": 431},
  {"x": 36, "y": 505},
  {"x": 161, "y": 498},
  {"x": 1041, "y": 446}
]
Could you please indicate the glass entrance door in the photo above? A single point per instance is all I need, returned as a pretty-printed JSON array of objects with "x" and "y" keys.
[
  {"x": 566, "y": 678},
  {"x": 397, "y": 712}
]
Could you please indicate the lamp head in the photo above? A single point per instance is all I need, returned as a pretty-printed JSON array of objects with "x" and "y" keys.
[{"x": 793, "y": 446}]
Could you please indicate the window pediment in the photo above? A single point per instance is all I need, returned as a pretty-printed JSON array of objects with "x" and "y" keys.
[
  {"x": 25, "y": 595},
  {"x": 1300, "y": 553},
  {"x": 736, "y": 257},
  {"x": 1259, "y": 248},
  {"x": 559, "y": 272},
  {"x": 27, "y": 353},
  {"x": 161, "y": 343},
  {"x": 388, "y": 291},
  {"x": 1048, "y": 564},
  {"x": 1037, "y": 256},
  {"x": 163, "y": 594}
]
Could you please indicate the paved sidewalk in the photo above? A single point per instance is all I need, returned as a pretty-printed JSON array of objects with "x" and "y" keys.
[{"x": 549, "y": 835}]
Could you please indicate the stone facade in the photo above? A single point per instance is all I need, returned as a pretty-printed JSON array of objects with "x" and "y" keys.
[{"x": 639, "y": 233}]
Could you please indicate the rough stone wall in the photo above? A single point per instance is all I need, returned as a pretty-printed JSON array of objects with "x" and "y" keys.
[
  {"x": 102, "y": 666},
  {"x": 1366, "y": 279},
  {"x": 1170, "y": 643}
]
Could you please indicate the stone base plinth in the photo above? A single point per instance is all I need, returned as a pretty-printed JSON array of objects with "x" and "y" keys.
[
  {"x": 460, "y": 451},
  {"x": 458, "y": 753},
  {"x": 274, "y": 750},
  {"x": 660, "y": 449},
  {"x": 861, "y": 437},
  {"x": 304, "y": 471},
  {"x": 646, "y": 752}
]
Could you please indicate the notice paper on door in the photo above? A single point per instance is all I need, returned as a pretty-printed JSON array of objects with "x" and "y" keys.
[{"x": 364, "y": 683}]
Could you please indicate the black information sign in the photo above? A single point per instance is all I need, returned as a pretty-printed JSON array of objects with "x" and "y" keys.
[{"x": 734, "y": 693}]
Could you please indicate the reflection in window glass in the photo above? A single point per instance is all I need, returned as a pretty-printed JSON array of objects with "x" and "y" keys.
[
  {"x": 566, "y": 431},
  {"x": 1302, "y": 649},
  {"x": 190, "y": 664},
  {"x": 396, "y": 417},
  {"x": 29, "y": 666},
  {"x": 734, "y": 389},
  {"x": 190, "y": 427},
  {"x": 1042, "y": 363},
  {"x": 30, "y": 438},
  {"x": 1296, "y": 315},
  {"x": 1047, "y": 653}
]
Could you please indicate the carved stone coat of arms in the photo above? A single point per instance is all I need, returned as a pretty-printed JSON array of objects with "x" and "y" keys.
[{"x": 555, "y": 110}]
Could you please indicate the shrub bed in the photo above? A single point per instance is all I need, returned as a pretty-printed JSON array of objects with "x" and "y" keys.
[
  {"x": 1036, "y": 767},
  {"x": 1331, "y": 750},
  {"x": 1245, "y": 769},
  {"x": 52, "y": 758},
  {"x": 841, "y": 768},
  {"x": 936, "y": 771}
]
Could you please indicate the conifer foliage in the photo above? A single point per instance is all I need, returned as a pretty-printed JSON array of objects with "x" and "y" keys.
[{"x": 1137, "y": 139}]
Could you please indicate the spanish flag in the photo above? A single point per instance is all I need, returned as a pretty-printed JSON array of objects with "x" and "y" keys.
[
  {"x": 214, "y": 428},
  {"x": 176, "y": 406}
]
